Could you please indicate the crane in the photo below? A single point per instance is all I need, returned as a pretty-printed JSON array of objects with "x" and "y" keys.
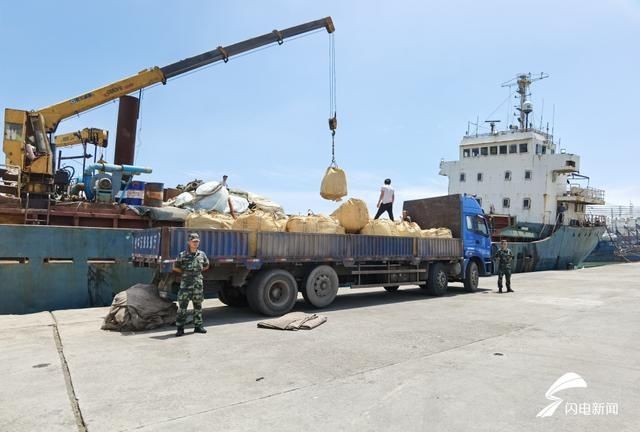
[
  {"x": 95, "y": 136},
  {"x": 29, "y": 133}
]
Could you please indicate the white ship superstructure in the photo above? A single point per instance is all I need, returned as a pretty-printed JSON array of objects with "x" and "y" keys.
[{"x": 520, "y": 172}]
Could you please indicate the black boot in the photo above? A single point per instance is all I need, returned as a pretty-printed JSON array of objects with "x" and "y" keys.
[
  {"x": 180, "y": 332},
  {"x": 499, "y": 290},
  {"x": 200, "y": 330},
  {"x": 509, "y": 290}
]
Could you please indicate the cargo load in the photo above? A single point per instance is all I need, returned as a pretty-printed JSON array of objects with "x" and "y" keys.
[
  {"x": 353, "y": 215},
  {"x": 381, "y": 227},
  {"x": 409, "y": 229},
  {"x": 334, "y": 184},
  {"x": 314, "y": 224},
  {"x": 214, "y": 220},
  {"x": 258, "y": 221},
  {"x": 437, "y": 232}
]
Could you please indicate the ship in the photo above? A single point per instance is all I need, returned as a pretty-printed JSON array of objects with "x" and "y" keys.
[
  {"x": 621, "y": 241},
  {"x": 531, "y": 190}
]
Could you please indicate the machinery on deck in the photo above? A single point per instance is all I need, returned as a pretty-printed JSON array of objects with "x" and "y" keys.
[{"x": 28, "y": 143}]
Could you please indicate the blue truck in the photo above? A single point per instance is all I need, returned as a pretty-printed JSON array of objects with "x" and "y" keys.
[{"x": 318, "y": 264}]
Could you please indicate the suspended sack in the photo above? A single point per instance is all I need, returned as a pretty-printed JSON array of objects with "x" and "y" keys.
[
  {"x": 334, "y": 184},
  {"x": 213, "y": 220},
  {"x": 380, "y": 227},
  {"x": 255, "y": 222},
  {"x": 352, "y": 215},
  {"x": 314, "y": 224}
]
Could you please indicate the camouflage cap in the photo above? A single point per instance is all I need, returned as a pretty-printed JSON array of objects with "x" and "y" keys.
[{"x": 194, "y": 236}]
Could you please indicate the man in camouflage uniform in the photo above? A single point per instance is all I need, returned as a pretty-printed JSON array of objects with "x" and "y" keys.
[
  {"x": 191, "y": 263},
  {"x": 504, "y": 258}
]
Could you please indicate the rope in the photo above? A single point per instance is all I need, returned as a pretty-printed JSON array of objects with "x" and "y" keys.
[{"x": 333, "y": 119}]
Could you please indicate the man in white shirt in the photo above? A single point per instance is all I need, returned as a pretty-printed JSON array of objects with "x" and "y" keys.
[{"x": 385, "y": 202}]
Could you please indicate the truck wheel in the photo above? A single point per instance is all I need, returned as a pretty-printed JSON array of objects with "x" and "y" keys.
[
  {"x": 272, "y": 292},
  {"x": 232, "y": 297},
  {"x": 472, "y": 277},
  {"x": 320, "y": 286},
  {"x": 438, "y": 280},
  {"x": 393, "y": 288}
]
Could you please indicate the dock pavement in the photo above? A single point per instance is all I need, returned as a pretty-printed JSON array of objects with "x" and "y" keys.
[{"x": 562, "y": 353}]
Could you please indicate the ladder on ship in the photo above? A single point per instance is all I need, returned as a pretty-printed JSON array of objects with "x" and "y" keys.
[{"x": 34, "y": 215}]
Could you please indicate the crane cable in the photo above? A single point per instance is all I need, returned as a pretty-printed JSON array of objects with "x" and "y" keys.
[{"x": 333, "y": 120}]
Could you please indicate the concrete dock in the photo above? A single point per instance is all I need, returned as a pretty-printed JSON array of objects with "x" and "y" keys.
[{"x": 383, "y": 361}]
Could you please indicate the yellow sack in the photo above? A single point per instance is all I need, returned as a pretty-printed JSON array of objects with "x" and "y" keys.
[
  {"x": 257, "y": 221},
  {"x": 431, "y": 232},
  {"x": 334, "y": 184},
  {"x": 380, "y": 227},
  {"x": 352, "y": 215},
  {"x": 437, "y": 232},
  {"x": 314, "y": 224},
  {"x": 443, "y": 233},
  {"x": 408, "y": 229},
  {"x": 214, "y": 220}
]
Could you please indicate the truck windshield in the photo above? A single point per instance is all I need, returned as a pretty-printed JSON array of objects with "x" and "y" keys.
[{"x": 477, "y": 224}]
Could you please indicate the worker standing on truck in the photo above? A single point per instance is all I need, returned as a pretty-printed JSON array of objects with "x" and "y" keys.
[
  {"x": 191, "y": 263},
  {"x": 385, "y": 202},
  {"x": 504, "y": 257}
]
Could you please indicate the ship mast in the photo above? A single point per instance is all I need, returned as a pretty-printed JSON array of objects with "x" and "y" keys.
[{"x": 524, "y": 81}]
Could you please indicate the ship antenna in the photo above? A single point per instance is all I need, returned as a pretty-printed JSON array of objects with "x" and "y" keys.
[
  {"x": 524, "y": 81},
  {"x": 541, "y": 114},
  {"x": 553, "y": 120}
]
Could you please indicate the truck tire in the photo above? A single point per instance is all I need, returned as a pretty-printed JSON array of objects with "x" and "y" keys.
[
  {"x": 232, "y": 297},
  {"x": 392, "y": 288},
  {"x": 472, "y": 277},
  {"x": 320, "y": 286},
  {"x": 272, "y": 292},
  {"x": 438, "y": 280}
]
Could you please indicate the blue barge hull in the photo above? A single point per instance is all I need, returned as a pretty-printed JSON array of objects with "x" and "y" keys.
[{"x": 47, "y": 268}]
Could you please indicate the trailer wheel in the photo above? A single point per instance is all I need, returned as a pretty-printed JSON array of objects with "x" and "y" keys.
[
  {"x": 438, "y": 280},
  {"x": 272, "y": 292},
  {"x": 472, "y": 277},
  {"x": 320, "y": 286},
  {"x": 392, "y": 288},
  {"x": 232, "y": 297}
]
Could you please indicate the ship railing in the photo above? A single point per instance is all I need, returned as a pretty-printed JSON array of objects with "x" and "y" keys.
[
  {"x": 10, "y": 179},
  {"x": 546, "y": 135},
  {"x": 586, "y": 192}
]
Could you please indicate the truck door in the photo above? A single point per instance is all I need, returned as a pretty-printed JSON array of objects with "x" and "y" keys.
[{"x": 477, "y": 241}]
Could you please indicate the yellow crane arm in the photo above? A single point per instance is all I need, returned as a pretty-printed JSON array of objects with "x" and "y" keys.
[
  {"x": 55, "y": 113},
  {"x": 97, "y": 137},
  {"x": 23, "y": 128}
]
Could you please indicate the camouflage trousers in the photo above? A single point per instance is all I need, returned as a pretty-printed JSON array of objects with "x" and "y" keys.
[
  {"x": 190, "y": 291},
  {"x": 506, "y": 271}
]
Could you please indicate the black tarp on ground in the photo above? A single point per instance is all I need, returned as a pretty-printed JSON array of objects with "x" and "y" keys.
[{"x": 139, "y": 308}]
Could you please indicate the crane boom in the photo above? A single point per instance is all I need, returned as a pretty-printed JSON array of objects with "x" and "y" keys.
[
  {"x": 97, "y": 137},
  {"x": 55, "y": 113},
  {"x": 33, "y": 127}
]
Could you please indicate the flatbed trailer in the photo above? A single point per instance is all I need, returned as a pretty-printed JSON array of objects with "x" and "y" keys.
[{"x": 285, "y": 263}]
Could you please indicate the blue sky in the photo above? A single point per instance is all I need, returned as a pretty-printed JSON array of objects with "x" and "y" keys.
[{"x": 410, "y": 74}]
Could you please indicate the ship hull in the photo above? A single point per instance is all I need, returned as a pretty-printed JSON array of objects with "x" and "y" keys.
[
  {"x": 606, "y": 252},
  {"x": 566, "y": 248},
  {"x": 46, "y": 268}
]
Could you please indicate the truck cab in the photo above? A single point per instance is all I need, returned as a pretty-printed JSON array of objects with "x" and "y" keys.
[
  {"x": 476, "y": 236},
  {"x": 465, "y": 218}
]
